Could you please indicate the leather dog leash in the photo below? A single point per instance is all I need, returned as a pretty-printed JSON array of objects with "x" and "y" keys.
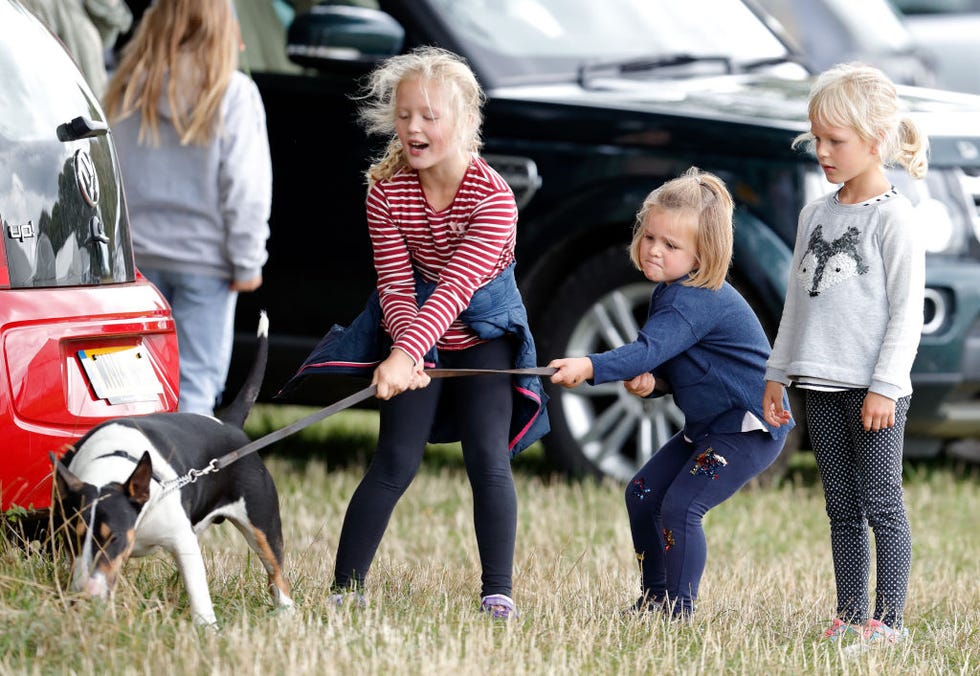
[
  {"x": 349, "y": 401},
  {"x": 193, "y": 475}
]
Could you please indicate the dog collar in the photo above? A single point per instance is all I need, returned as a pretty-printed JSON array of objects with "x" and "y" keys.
[{"x": 123, "y": 454}]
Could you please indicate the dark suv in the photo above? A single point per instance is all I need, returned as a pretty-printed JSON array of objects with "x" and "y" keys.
[
  {"x": 590, "y": 106},
  {"x": 83, "y": 336}
]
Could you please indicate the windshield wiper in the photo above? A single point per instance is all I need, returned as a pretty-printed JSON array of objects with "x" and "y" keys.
[
  {"x": 649, "y": 63},
  {"x": 758, "y": 64}
]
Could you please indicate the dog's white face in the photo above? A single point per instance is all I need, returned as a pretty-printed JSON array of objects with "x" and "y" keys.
[{"x": 100, "y": 524}]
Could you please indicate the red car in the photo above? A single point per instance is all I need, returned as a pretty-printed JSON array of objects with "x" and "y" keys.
[{"x": 83, "y": 336}]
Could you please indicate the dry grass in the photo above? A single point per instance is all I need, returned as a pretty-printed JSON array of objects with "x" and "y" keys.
[{"x": 765, "y": 597}]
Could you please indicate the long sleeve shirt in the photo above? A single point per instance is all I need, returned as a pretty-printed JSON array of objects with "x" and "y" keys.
[
  {"x": 709, "y": 346},
  {"x": 853, "y": 312},
  {"x": 495, "y": 310},
  {"x": 201, "y": 209},
  {"x": 460, "y": 249}
]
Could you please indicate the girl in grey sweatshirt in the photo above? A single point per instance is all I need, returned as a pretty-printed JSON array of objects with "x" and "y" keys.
[
  {"x": 849, "y": 334},
  {"x": 194, "y": 152}
]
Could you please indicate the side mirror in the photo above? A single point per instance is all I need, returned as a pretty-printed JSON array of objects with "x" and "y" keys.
[{"x": 336, "y": 35}]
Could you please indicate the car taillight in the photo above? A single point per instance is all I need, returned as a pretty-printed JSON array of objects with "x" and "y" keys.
[{"x": 4, "y": 273}]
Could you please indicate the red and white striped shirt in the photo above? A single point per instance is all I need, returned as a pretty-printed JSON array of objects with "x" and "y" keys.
[{"x": 460, "y": 249}]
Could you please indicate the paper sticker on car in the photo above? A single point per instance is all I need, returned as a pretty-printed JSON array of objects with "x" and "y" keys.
[{"x": 121, "y": 375}]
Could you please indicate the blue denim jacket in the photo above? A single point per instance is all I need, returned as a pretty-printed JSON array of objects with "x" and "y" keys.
[{"x": 495, "y": 310}]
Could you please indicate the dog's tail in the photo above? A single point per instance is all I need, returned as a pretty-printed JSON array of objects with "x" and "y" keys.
[{"x": 238, "y": 410}]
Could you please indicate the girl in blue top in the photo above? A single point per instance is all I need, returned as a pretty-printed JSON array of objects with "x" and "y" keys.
[{"x": 702, "y": 341}]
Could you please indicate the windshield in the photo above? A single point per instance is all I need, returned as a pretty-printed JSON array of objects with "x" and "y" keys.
[
  {"x": 875, "y": 21},
  {"x": 519, "y": 39}
]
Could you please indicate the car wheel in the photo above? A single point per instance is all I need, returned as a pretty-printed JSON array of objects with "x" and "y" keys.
[{"x": 603, "y": 430}]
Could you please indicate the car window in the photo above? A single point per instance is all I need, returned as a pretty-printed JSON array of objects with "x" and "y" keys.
[
  {"x": 55, "y": 99},
  {"x": 937, "y": 6},
  {"x": 868, "y": 27},
  {"x": 880, "y": 28},
  {"x": 63, "y": 220},
  {"x": 525, "y": 40},
  {"x": 532, "y": 36}
]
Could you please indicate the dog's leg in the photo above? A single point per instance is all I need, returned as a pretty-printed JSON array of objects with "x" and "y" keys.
[
  {"x": 190, "y": 562},
  {"x": 271, "y": 558}
]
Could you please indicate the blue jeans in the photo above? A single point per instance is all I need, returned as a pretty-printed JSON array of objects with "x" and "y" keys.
[
  {"x": 668, "y": 498},
  {"x": 204, "y": 312}
]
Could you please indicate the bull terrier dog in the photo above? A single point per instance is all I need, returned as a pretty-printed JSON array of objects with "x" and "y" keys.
[{"x": 115, "y": 496}]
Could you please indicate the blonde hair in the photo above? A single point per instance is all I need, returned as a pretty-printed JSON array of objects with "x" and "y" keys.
[
  {"x": 192, "y": 47},
  {"x": 864, "y": 99},
  {"x": 706, "y": 196},
  {"x": 378, "y": 112}
]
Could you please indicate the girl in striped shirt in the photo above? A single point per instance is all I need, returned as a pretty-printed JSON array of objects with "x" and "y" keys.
[{"x": 442, "y": 225}]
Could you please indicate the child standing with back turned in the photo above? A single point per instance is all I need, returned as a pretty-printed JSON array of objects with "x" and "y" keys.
[
  {"x": 849, "y": 334},
  {"x": 701, "y": 338},
  {"x": 194, "y": 151}
]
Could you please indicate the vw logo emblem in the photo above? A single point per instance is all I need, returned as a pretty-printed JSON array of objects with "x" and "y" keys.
[{"x": 86, "y": 177}]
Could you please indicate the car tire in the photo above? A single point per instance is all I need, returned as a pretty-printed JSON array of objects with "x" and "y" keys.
[{"x": 603, "y": 431}]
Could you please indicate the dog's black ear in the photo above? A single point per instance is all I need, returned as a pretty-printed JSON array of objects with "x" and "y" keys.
[
  {"x": 65, "y": 481},
  {"x": 138, "y": 484}
]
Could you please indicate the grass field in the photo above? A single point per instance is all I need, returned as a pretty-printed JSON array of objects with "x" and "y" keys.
[{"x": 766, "y": 595}]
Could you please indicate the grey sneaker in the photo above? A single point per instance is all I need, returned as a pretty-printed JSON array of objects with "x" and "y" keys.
[
  {"x": 500, "y": 606},
  {"x": 341, "y": 599}
]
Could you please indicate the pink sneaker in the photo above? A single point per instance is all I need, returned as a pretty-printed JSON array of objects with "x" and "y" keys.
[
  {"x": 840, "y": 630},
  {"x": 878, "y": 631}
]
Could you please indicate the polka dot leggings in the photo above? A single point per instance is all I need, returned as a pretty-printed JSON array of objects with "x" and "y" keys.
[{"x": 862, "y": 482}]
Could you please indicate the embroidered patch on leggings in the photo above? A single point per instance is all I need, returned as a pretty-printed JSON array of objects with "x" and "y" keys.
[
  {"x": 708, "y": 463},
  {"x": 668, "y": 539}
]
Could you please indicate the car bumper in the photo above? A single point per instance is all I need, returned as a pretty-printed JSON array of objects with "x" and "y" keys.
[
  {"x": 946, "y": 373},
  {"x": 47, "y": 401}
]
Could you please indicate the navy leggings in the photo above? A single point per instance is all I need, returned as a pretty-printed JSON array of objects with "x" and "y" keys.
[
  {"x": 668, "y": 498},
  {"x": 482, "y": 408},
  {"x": 861, "y": 473}
]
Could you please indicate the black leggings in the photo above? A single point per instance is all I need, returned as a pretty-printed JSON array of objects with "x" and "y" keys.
[
  {"x": 481, "y": 406},
  {"x": 861, "y": 473}
]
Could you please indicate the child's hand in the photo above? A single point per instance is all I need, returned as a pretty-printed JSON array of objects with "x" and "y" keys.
[
  {"x": 395, "y": 374},
  {"x": 571, "y": 371},
  {"x": 245, "y": 285},
  {"x": 420, "y": 378},
  {"x": 642, "y": 385},
  {"x": 877, "y": 412},
  {"x": 772, "y": 404}
]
